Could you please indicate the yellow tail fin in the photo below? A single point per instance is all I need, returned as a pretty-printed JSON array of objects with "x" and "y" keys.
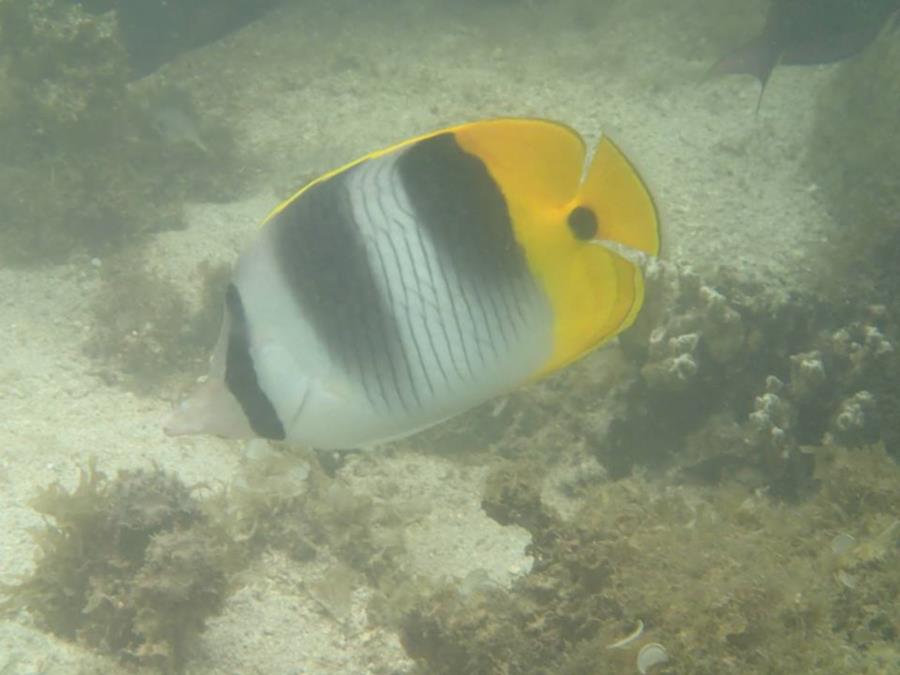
[{"x": 617, "y": 195}]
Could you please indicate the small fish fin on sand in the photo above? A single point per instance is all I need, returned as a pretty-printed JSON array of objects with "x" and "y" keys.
[
  {"x": 810, "y": 32},
  {"x": 756, "y": 58}
]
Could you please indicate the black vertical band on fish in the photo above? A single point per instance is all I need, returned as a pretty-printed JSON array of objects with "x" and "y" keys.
[
  {"x": 464, "y": 212},
  {"x": 339, "y": 277},
  {"x": 327, "y": 269},
  {"x": 240, "y": 375}
]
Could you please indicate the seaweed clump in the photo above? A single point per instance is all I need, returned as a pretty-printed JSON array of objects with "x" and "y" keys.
[
  {"x": 283, "y": 502},
  {"x": 130, "y": 566},
  {"x": 724, "y": 578},
  {"x": 135, "y": 566}
]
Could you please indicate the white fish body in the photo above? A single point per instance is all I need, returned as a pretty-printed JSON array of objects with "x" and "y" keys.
[{"x": 420, "y": 281}]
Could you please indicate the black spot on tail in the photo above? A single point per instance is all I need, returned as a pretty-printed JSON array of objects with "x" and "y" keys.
[{"x": 583, "y": 223}]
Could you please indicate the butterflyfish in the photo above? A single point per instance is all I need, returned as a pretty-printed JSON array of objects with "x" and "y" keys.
[{"x": 423, "y": 279}]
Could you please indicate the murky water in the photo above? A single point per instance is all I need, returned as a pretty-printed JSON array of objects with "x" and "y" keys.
[{"x": 715, "y": 490}]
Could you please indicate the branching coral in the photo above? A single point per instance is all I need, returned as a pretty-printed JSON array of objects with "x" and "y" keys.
[{"x": 722, "y": 380}]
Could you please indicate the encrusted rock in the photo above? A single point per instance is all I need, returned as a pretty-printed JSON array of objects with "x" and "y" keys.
[
  {"x": 673, "y": 365},
  {"x": 772, "y": 420},
  {"x": 855, "y": 422},
  {"x": 808, "y": 376},
  {"x": 723, "y": 327},
  {"x": 695, "y": 328},
  {"x": 859, "y": 350}
]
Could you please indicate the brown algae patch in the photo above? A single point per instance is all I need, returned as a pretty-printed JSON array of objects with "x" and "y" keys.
[
  {"x": 728, "y": 579},
  {"x": 131, "y": 566},
  {"x": 134, "y": 566}
]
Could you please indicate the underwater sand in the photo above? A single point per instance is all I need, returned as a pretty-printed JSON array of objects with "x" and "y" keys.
[{"x": 308, "y": 90}]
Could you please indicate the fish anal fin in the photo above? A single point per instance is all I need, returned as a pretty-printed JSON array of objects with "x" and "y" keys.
[
  {"x": 629, "y": 295},
  {"x": 605, "y": 293}
]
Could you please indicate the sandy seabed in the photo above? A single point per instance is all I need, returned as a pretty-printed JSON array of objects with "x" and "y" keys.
[{"x": 307, "y": 90}]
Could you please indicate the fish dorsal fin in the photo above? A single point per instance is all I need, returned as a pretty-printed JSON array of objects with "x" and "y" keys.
[
  {"x": 537, "y": 161},
  {"x": 614, "y": 191},
  {"x": 532, "y": 160}
]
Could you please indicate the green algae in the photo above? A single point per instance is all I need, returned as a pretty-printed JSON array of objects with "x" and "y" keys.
[
  {"x": 134, "y": 566},
  {"x": 728, "y": 579}
]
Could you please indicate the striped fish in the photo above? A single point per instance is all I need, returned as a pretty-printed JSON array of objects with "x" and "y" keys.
[{"x": 421, "y": 280}]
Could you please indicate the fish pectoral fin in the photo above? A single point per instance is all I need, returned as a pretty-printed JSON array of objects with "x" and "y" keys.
[{"x": 294, "y": 418}]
